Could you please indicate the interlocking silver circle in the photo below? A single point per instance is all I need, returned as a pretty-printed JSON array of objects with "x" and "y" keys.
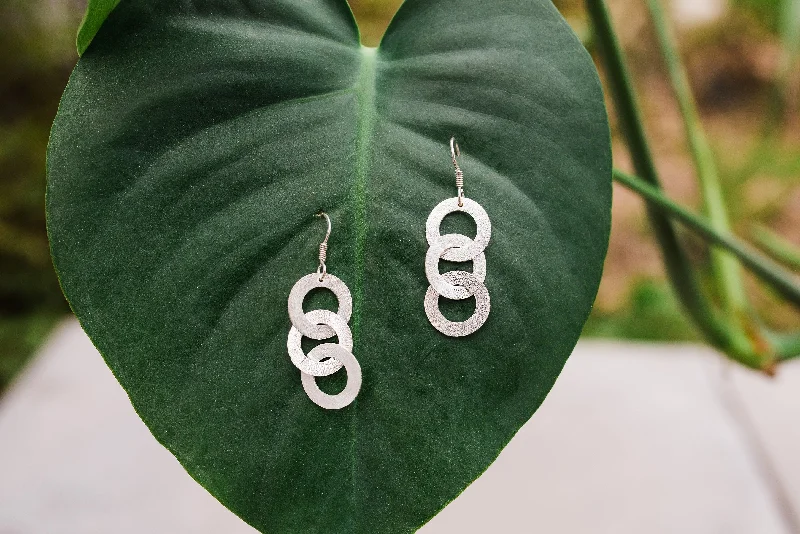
[
  {"x": 457, "y": 285},
  {"x": 437, "y": 281},
  {"x": 301, "y": 288},
  {"x": 463, "y": 328},
  {"x": 320, "y": 325},
  {"x": 305, "y": 363},
  {"x": 482, "y": 222},
  {"x": 350, "y": 391}
]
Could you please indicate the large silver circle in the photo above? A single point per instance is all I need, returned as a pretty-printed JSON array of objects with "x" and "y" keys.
[
  {"x": 464, "y": 328},
  {"x": 435, "y": 252},
  {"x": 306, "y": 363},
  {"x": 350, "y": 391},
  {"x": 299, "y": 291},
  {"x": 482, "y": 223}
]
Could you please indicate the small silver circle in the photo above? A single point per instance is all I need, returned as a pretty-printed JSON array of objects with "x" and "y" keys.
[
  {"x": 350, "y": 391},
  {"x": 304, "y": 362},
  {"x": 435, "y": 252},
  {"x": 482, "y": 223},
  {"x": 299, "y": 291},
  {"x": 464, "y": 328}
]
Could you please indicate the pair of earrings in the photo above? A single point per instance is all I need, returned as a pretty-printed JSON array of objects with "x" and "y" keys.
[{"x": 327, "y": 358}]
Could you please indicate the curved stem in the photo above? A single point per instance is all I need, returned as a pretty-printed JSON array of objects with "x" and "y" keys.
[
  {"x": 728, "y": 278},
  {"x": 730, "y": 339},
  {"x": 787, "y": 346},
  {"x": 781, "y": 250},
  {"x": 760, "y": 265},
  {"x": 790, "y": 55}
]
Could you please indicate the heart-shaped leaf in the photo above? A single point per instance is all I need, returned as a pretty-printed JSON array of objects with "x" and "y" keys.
[{"x": 194, "y": 144}]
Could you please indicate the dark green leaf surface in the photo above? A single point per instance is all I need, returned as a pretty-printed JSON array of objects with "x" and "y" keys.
[{"x": 195, "y": 142}]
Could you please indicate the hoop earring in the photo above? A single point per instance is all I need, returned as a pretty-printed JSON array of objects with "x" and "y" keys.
[
  {"x": 320, "y": 325},
  {"x": 457, "y": 285}
]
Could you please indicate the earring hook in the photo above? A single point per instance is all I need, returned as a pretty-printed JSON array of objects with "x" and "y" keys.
[
  {"x": 322, "y": 270},
  {"x": 454, "y": 153}
]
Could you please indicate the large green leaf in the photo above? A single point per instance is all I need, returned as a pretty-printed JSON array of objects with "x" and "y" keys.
[{"x": 194, "y": 143}]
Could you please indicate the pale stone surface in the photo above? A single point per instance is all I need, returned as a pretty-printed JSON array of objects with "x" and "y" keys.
[
  {"x": 633, "y": 439},
  {"x": 772, "y": 407},
  {"x": 76, "y": 459}
]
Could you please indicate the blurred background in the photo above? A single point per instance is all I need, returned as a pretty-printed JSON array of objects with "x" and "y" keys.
[
  {"x": 636, "y": 438},
  {"x": 742, "y": 61}
]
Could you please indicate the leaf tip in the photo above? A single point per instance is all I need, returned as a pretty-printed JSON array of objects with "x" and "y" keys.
[{"x": 97, "y": 12}]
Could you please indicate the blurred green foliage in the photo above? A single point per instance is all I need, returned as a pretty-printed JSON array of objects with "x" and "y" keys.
[
  {"x": 37, "y": 39},
  {"x": 768, "y": 12},
  {"x": 652, "y": 314}
]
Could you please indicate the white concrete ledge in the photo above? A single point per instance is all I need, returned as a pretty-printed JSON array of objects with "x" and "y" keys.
[{"x": 633, "y": 439}]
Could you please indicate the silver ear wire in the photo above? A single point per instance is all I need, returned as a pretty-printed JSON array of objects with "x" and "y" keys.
[
  {"x": 454, "y": 153},
  {"x": 322, "y": 270}
]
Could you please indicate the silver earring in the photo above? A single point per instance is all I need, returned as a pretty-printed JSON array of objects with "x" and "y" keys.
[
  {"x": 319, "y": 325},
  {"x": 457, "y": 285}
]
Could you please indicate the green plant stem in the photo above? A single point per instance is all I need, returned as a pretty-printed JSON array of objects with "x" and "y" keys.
[
  {"x": 786, "y": 346},
  {"x": 790, "y": 56},
  {"x": 760, "y": 265},
  {"x": 728, "y": 277},
  {"x": 781, "y": 93},
  {"x": 778, "y": 248},
  {"x": 726, "y": 337}
]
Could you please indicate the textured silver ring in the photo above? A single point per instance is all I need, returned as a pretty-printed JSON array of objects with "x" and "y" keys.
[
  {"x": 299, "y": 291},
  {"x": 482, "y": 224},
  {"x": 463, "y": 328},
  {"x": 349, "y": 393},
  {"x": 436, "y": 251},
  {"x": 304, "y": 362}
]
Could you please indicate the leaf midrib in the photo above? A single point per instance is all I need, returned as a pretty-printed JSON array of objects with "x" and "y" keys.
[
  {"x": 365, "y": 96},
  {"x": 366, "y": 113}
]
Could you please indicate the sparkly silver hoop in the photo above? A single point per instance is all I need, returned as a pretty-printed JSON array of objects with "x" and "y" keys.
[
  {"x": 350, "y": 392},
  {"x": 463, "y": 328},
  {"x": 441, "y": 246},
  {"x": 482, "y": 223},
  {"x": 304, "y": 362},
  {"x": 299, "y": 291}
]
